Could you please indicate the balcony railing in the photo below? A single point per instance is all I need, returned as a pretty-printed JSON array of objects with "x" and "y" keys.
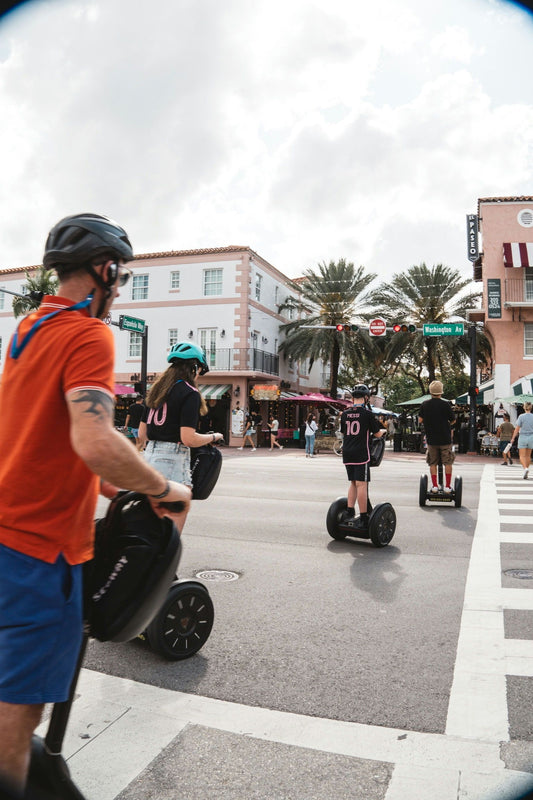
[
  {"x": 228, "y": 359},
  {"x": 518, "y": 292}
]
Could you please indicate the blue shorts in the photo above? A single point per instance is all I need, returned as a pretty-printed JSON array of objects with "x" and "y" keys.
[
  {"x": 41, "y": 627},
  {"x": 525, "y": 441}
]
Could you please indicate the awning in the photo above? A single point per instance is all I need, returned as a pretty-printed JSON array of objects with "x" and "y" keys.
[
  {"x": 482, "y": 399},
  {"x": 214, "y": 391},
  {"x": 518, "y": 254},
  {"x": 121, "y": 389}
]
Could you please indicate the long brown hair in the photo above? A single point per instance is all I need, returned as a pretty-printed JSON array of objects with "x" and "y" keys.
[{"x": 184, "y": 369}]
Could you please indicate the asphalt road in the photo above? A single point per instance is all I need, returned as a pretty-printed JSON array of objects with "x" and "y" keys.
[{"x": 340, "y": 630}]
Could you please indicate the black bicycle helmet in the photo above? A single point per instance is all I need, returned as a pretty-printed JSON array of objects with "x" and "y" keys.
[
  {"x": 77, "y": 239},
  {"x": 189, "y": 351},
  {"x": 361, "y": 390}
]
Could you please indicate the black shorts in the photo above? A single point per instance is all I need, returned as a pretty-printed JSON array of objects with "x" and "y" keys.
[{"x": 358, "y": 472}]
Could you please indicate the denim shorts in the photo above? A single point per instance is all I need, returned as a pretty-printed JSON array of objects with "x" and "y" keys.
[
  {"x": 171, "y": 460},
  {"x": 41, "y": 627},
  {"x": 525, "y": 441}
]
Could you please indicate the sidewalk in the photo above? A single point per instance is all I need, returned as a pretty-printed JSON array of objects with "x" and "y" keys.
[{"x": 132, "y": 741}]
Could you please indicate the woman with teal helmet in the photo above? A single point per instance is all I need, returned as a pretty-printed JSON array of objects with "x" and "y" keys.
[{"x": 173, "y": 407}]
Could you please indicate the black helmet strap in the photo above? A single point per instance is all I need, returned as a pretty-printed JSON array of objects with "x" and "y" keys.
[{"x": 105, "y": 285}]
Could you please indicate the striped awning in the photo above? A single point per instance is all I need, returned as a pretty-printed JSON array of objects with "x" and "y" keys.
[
  {"x": 518, "y": 254},
  {"x": 214, "y": 391}
]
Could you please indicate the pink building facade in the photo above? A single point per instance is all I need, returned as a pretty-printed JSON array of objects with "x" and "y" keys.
[{"x": 505, "y": 266}]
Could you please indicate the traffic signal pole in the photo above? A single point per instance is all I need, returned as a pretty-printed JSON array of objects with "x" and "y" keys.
[{"x": 472, "y": 391}]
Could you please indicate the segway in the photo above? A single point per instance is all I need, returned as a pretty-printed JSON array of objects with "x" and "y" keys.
[
  {"x": 382, "y": 518},
  {"x": 440, "y": 496},
  {"x": 136, "y": 557}
]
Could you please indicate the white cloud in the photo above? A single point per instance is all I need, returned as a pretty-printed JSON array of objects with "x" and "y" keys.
[{"x": 308, "y": 130}]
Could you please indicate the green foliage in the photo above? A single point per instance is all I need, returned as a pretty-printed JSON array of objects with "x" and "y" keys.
[
  {"x": 42, "y": 281},
  {"x": 334, "y": 293}
]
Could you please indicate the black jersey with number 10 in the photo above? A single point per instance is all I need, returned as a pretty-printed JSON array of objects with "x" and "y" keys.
[{"x": 357, "y": 425}]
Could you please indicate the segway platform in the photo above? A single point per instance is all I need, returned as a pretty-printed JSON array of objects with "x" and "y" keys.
[
  {"x": 381, "y": 523},
  {"x": 425, "y": 495}
]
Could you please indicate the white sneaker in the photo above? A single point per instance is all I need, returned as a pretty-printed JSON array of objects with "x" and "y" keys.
[
  {"x": 448, "y": 489},
  {"x": 526, "y": 473},
  {"x": 239, "y": 448},
  {"x": 281, "y": 448},
  {"x": 254, "y": 449},
  {"x": 434, "y": 489}
]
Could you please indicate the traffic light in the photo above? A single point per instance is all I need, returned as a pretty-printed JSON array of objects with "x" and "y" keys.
[
  {"x": 342, "y": 327},
  {"x": 404, "y": 327}
]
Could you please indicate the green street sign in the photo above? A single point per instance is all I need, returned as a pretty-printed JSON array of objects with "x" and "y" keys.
[
  {"x": 131, "y": 324},
  {"x": 443, "y": 329}
]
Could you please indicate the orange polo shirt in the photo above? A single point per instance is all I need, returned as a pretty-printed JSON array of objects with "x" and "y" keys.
[{"x": 47, "y": 493}]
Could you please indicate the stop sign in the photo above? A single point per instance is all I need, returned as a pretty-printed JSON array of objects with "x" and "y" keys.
[{"x": 377, "y": 327}]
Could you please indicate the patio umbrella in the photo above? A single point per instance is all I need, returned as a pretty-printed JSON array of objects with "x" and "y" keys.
[
  {"x": 517, "y": 398},
  {"x": 121, "y": 389}
]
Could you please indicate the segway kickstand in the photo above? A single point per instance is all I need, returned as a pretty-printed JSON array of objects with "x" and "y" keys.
[{"x": 49, "y": 776}]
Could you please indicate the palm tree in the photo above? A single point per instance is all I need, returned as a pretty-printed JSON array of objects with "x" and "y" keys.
[
  {"x": 421, "y": 295},
  {"x": 43, "y": 281},
  {"x": 334, "y": 294}
]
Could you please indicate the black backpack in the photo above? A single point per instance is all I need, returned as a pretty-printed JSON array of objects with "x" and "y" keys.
[
  {"x": 135, "y": 561},
  {"x": 206, "y": 462}
]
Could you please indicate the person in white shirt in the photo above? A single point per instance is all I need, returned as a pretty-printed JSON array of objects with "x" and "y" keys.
[
  {"x": 273, "y": 424},
  {"x": 310, "y": 431}
]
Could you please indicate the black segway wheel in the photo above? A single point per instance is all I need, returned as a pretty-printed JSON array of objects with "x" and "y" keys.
[
  {"x": 382, "y": 524},
  {"x": 183, "y": 624},
  {"x": 336, "y": 514},
  {"x": 458, "y": 489},
  {"x": 422, "y": 493}
]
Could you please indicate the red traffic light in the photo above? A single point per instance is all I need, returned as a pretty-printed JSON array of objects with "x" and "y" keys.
[
  {"x": 404, "y": 327},
  {"x": 339, "y": 327}
]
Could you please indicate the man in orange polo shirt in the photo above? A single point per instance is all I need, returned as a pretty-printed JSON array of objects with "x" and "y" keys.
[{"x": 59, "y": 447}]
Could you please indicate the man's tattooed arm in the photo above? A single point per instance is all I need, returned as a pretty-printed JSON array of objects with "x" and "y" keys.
[{"x": 95, "y": 403}]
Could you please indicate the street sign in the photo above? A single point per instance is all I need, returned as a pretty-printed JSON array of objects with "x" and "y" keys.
[
  {"x": 443, "y": 329},
  {"x": 377, "y": 327},
  {"x": 131, "y": 324}
]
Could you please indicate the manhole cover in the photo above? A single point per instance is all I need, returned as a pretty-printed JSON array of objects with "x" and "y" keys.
[
  {"x": 523, "y": 574},
  {"x": 217, "y": 575}
]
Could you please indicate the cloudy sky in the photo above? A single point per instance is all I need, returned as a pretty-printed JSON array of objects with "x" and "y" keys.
[{"x": 307, "y": 129}]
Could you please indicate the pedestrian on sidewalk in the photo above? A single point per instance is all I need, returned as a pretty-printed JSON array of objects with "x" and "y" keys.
[
  {"x": 59, "y": 448},
  {"x": 524, "y": 432},
  {"x": 249, "y": 433},
  {"x": 133, "y": 419},
  {"x": 504, "y": 434},
  {"x": 437, "y": 417},
  {"x": 358, "y": 424},
  {"x": 273, "y": 424},
  {"x": 310, "y": 432}
]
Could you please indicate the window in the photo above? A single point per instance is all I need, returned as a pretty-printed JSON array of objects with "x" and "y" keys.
[
  {"x": 528, "y": 338},
  {"x": 139, "y": 287},
  {"x": 172, "y": 337},
  {"x": 258, "y": 281},
  {"x": 208, "y": 340},
  {"x": 175, "y": 280},
  {"x": 528, "y": 284},
  {"x": 212, "y": 282},
  {"x": 135, "y": 345}
]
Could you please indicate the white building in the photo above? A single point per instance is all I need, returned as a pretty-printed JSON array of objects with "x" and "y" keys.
[{"x": 224, "y": 298}]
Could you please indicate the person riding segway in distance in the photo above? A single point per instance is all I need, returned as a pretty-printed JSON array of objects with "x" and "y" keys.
[
  {"x": 437, "y": 417},
  {"x": 358, "y": 424}
]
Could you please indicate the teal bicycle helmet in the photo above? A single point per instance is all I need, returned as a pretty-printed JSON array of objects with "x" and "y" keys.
[{"x": 189, "y": 351}]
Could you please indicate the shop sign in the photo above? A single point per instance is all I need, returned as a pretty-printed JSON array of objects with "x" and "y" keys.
[
  {"x": 471, "y": 237},
  {"x": 265, "y": 391},
  {"x": 494, "y": 298}
]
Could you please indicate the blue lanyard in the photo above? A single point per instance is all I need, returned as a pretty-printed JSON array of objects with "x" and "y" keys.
[{"x": 17, "y": 349}]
